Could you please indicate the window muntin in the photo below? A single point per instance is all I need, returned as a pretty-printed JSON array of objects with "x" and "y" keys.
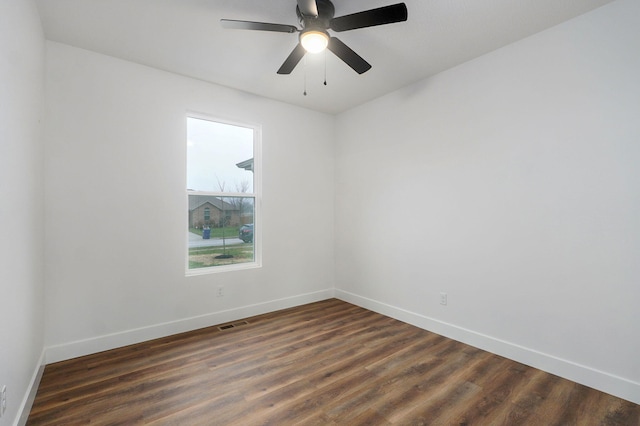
[{"x": 222, "y": 196}]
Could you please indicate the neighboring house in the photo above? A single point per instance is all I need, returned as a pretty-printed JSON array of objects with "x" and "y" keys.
[{"x": 209, "y": 211}]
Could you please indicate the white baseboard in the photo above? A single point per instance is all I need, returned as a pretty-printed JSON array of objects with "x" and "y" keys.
[
  {"x": 30, "y": 395},
  {"x": 111, "y": 341},
  {"x": 605, "y": 382}
]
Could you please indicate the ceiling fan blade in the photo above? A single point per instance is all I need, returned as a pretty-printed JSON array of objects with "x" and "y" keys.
[
  {"x": 259, "y": 26},
  {"x": 292, "y": 60},
  {"x": 370, "y": 18},
  {"x": 349, "y": 57},
  {"x": 308, "y": 8}
]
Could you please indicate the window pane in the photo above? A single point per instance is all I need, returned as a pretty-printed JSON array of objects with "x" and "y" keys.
[
  {"x": 219, "y": 157},
  {"x": 220, "y": 230}
]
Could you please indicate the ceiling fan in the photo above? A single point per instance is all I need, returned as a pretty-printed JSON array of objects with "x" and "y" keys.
[{"x": 316, "y": 18}]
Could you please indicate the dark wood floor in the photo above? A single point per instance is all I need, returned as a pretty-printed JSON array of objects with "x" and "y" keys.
[{"x": 327, "y": 363}]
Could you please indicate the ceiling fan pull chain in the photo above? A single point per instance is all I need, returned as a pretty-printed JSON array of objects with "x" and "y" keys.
[
  {"x": 304, "y": 65},
  {"x": 325, "y": 67}
]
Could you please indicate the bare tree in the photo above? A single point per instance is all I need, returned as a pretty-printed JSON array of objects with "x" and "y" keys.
[
  {"x": 221, "y": 184},
  {"x": 238, "y": 203},
  {"x": 224, "y": 255}
]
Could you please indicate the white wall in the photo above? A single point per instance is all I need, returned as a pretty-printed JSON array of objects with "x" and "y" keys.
[
  {"x": 21, "y": 217},
  {"x": 512, "y": 183},
  {"x": 116, "y": 205}
]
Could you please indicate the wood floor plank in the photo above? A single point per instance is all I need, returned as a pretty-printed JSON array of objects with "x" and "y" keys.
[
  {"x": 325, "y": 363},
  {"x": 434, "y": 389},
  {"x": 498, "y": 379}
]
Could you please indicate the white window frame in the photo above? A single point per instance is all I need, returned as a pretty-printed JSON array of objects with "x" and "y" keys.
[{"x": 256, "y": 195}]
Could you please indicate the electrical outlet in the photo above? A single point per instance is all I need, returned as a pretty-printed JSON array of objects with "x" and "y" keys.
[
  {"x": 220, "y": 292},
  {"x": 443, "y": 298},
  {"x": 3, "y": 400}
]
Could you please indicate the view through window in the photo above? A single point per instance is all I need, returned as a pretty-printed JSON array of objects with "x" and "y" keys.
[{"x": 221, "y": 192}]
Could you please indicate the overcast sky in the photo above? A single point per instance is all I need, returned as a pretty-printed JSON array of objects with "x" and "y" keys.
[{"x": 213, "y": 150}]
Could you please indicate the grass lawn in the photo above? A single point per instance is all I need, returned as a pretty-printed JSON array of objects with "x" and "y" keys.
[{"x": 203, "y": 257}]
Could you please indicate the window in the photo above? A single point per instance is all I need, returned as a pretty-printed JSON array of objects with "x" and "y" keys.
[{"x": 223, "y": 198}]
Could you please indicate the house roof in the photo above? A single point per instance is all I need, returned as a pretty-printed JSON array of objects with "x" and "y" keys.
[
  {"x": 246, "y": 164},
  {"x": 196, "y": 201}
]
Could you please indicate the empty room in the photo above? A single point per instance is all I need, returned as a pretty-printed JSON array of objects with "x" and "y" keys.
[{"x": 239, "y": 212}]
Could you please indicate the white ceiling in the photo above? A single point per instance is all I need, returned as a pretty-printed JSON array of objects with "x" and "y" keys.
[{"x": 185, "y": 37}]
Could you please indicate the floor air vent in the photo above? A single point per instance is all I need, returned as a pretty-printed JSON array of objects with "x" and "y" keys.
[{"x": 232, "y": 325}]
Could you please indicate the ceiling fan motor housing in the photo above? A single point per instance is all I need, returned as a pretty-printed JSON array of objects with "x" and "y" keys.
[{"x": 326, "y": 11}]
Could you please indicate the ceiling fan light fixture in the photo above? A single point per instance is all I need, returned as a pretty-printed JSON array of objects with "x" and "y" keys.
[{"x": 314, "y": 41}]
